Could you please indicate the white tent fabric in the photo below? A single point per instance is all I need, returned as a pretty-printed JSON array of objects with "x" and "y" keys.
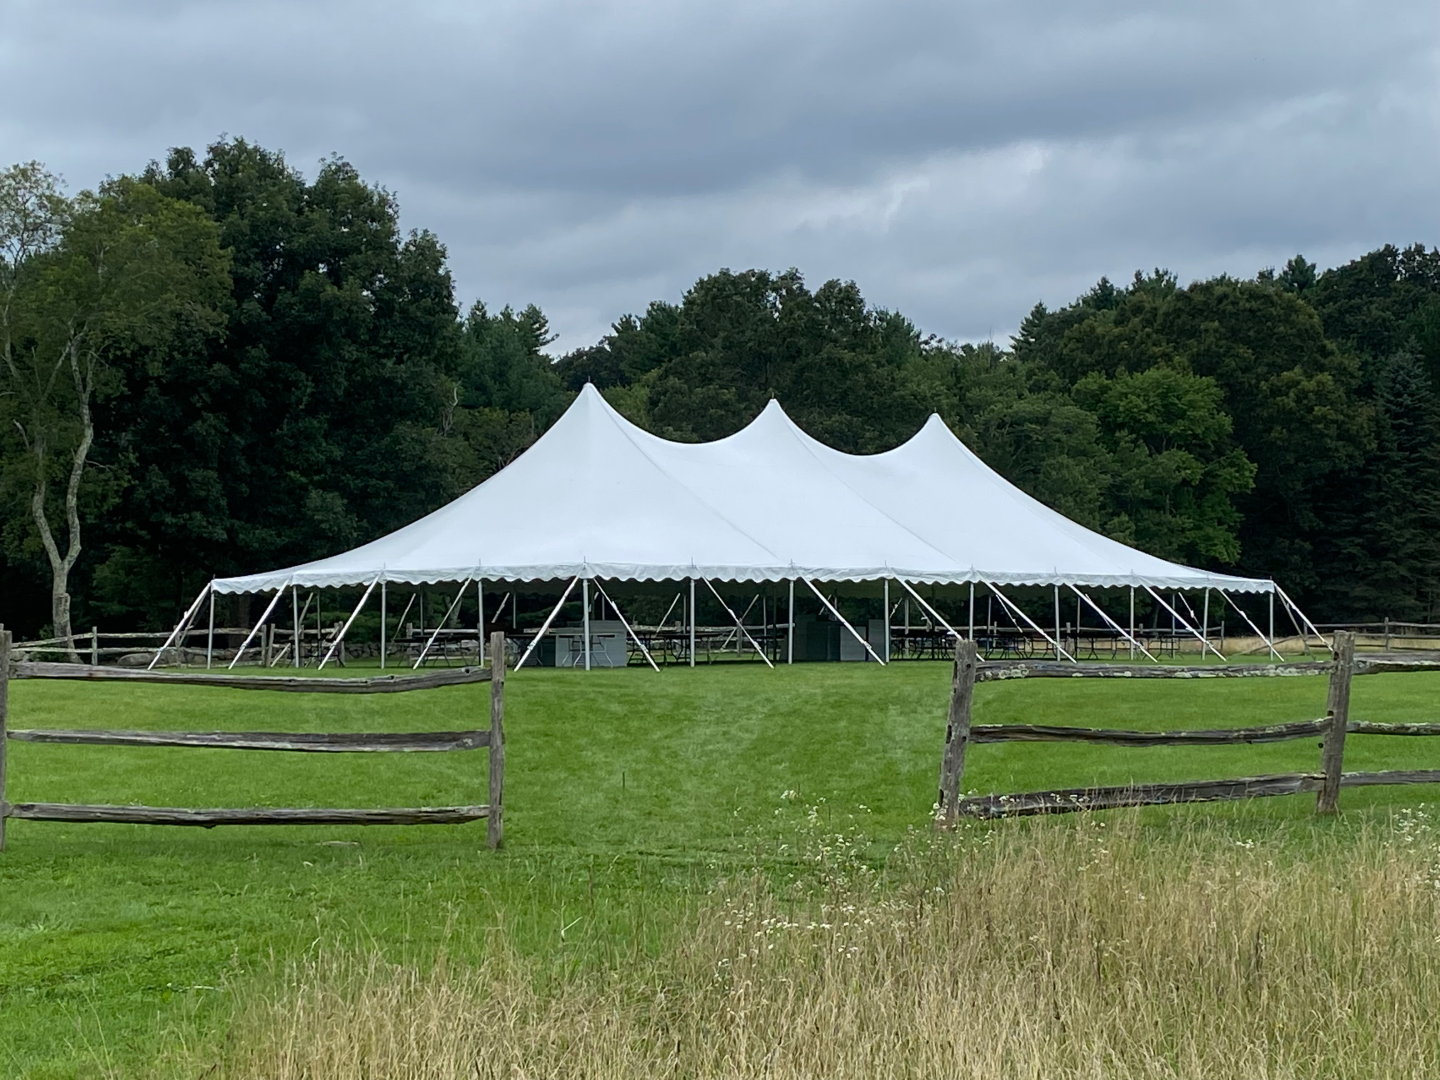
[{"x": 598, "y": 497}]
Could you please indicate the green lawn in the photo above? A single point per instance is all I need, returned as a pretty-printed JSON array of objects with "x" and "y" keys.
[{"x": 628, "y": 794}]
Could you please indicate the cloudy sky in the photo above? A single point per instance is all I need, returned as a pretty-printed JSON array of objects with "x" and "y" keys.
[{"x": 960, "y": 160}]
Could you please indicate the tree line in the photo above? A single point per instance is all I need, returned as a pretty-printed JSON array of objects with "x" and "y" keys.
[{"x": 217, "y": 366}]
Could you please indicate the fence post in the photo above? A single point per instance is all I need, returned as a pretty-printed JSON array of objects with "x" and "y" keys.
[
  {"x": 1387, "y": 633},
  {"x": 495, "y": 823},
  {"x": 5, "y": 639},
  {"x": 957, "y": 732},
  {"x": 1332, "y": 749},
  {"x": 94, "y": 646}
]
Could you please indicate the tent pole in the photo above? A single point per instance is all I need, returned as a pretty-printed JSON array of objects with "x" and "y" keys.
[
  {"x": 1175, "y": 616},
  {"x": 1130, "y": 637},
  {"x": 836, "y": 612},
  {"x": 459, "y": 595},
  {"x": 179, "y": 627},
  {"x": 295, "y": 610},
  {"x": 248, "y": 637},
  {"x": 1057, "y": 622},
  {"x": 210, "y": 638},
  {"x": 1132, "y": 622},
  {"x": 545, "y": 626},
  {"x": 383, "y": 616},
  {"x": 738, "y": 623},
  {"x": 1007, "y": 602},
  {"x": 1205, "y": 615},
  {"x": 887, "y": 620},
  {"x": 972, "y": 612},
  {"x": 692, "y": 620},
  {"x": 585, "y": 617},
  {"x": 927, "y": 608},
  {"x": 1269, "y": 642},
  {"x": 621, "y": 615},
  {"x": 480, "y": 599},
  {"x": 790, "y": 626},
  {"x": 1272, "y": 615},
  {"x": 346, "y": 628}
]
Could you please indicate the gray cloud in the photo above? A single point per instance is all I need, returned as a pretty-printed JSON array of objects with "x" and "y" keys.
[{"x": 959, "y": 160}]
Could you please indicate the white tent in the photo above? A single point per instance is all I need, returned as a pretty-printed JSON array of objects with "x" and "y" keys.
[{"x": 597, "y": 497}]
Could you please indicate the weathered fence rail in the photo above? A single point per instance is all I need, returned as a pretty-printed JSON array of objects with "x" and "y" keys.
[
  {"x": 1332, "y": 728},
  {"x": 491, "y": 738}
]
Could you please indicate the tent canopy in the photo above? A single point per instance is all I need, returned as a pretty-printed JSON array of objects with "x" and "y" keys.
[{"x": 598, "y": 497}]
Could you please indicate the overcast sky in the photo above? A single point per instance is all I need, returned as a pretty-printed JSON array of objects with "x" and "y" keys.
[{"x": 959, "y": 160}]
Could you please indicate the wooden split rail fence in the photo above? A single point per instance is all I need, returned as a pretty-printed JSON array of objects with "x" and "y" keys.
[
  {"x": 1332, "y": 728},
  {"x": 491, "y": 738}
]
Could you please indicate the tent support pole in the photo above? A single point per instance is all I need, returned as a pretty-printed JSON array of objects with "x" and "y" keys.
[
  {"x": 1177, "y": 617},
  {"x": 210, "y": 637},
  {"x": 346, "y": 628},
  {"x": 1269, "y": 642},
  {"x": 669, "y": 611},
  {"x": 179, "y": 628},
  {"x": 546, "y": 625},
  {"x": 250, "y": 636},
  {"x": 623, "y": 622},
  {"x": 743, "y": 615},
  {"x": 790, "y": 626},
  {"x": 739, "y": 625},
  {"x": 692, "y": 621},
  {"x": 1005, "y": 600},
  {"x": 1132, "y": 622},
  {"x": 1057, "y": 622},
  {"x": 1130, "y": 637},
  {"x": 480, "y": 624},
  {"x": 1303, "y": 618},
  {"x": 1205, "y": 616},
  {"x": 836, "y": 612},
  {"x": 887, "y": 620},
  {"x": 459, "y": 595},
  {"x": 585, "y": 617},
  {"x": 384, "y": 615},
  {"x": 927, "y": 608},
  {"x": 1272, "y": 615},
  {"x": 295, "y": 610},
  {"x": 972, "y": 611}
]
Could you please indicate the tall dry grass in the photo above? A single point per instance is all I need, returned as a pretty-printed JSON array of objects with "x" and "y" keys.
[{"x": 1040, "y": 950}]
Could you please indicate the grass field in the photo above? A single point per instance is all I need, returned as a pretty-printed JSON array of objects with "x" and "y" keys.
[{"x": 124, "y": 949}]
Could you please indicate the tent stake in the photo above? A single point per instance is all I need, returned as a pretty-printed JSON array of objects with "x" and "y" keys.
[
  {"x": 836, "y": 612},
  {"x": 546, "y": 625},
  {"x": 633, "y": 636},
  {"x": 346, "y": 628}
]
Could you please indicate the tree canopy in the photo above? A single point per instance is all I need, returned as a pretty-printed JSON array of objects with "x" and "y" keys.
[{"x": 282, "y": 372}]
